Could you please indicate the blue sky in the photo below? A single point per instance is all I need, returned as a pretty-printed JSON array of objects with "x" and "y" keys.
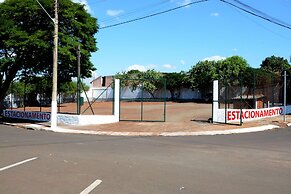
[{"x": 175, "y": 41}]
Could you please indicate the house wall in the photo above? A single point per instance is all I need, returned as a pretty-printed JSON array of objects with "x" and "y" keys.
[{"x": 102, "y": 81}]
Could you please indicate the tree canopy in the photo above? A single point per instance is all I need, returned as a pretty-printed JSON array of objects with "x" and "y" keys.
[
  {"x": 150, "y": 80},
  {"x": 26, "y": 46},
  {"x": 204, "y": 72},
  {"x": 176, "y": 81},
  {"x": 275, "y": 64}
]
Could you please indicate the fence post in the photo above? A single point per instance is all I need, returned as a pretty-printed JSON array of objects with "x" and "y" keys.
[
  {"x": 273, "y": 90},
  {"x": 165, "y": 98},
  {"x": 285, "y": 91},
  {"x": 141, "y": 103},
  {"x": 254, "y": 91},
  {"x": 241, "y": 93},
  {"x": 225, "y": 102}
]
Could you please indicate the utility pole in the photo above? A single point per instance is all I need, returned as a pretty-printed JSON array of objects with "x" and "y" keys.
[
  {"x": 79, "y": 81},
  {"x": 55, "y": 64},
  {"x": 55, "y": 70}
]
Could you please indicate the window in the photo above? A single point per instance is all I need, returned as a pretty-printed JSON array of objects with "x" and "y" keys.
[{"x": 103, "y": 82}]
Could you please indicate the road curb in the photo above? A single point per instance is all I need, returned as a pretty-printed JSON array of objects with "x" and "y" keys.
[{"x": 166, "y": 134}]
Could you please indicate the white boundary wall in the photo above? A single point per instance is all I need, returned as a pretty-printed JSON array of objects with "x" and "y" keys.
[
  {"x": 94, "y": 119},
  {"x": 234, "y": 115},
  {"x": 71, "y": 119}
]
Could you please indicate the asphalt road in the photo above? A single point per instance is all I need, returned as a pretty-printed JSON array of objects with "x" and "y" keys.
[{"x": 45, "y": 162}]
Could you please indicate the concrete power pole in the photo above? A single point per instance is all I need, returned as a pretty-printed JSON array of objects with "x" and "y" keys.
[
  {"x": 79, "y": 81},
  {"x": 55, "y": 70}
]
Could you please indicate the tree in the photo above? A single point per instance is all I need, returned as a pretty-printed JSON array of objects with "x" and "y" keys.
[
  {"x": 258, "y": 77},
  {"x": 26, "y": 35},
  {"x": 152, "y": 81},
  {"x": 175, "y": 81},
  {"x": 130, "y": 79},
  {"x": 202, "y": 75},
  {"x": 228, "y": 70},
  {"x": 275, "y": 64},
  {"x": 70, "y": 89},
  {"x": 149, "y": 80},
  {"x": 231, "y": 68}
]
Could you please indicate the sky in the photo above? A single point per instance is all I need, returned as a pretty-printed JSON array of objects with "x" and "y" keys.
[{"x": 175, "y": 41}]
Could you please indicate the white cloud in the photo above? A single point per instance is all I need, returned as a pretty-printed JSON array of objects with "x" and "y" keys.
[
  {"x": 136, "y": 67},
  {"x": 114, "y": 13},
  {"x": 215, "y": 14},
  {"x": 235, "y": 49},
  {"x": 214, "y": 58},
  {"x": 169, "y": 66},
  {"x": 83, "y": 2},
  {"x": 182, "y": 61},
  {"x": 102, "y": 25},
  {"x": 141, "y": 68},
  {"x": 1, "y": 1},
  {"x": 185, "y": 2}
]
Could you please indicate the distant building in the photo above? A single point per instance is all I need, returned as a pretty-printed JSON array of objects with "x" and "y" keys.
[
  {"x": 100, "y": 88},
  {"x": 102, "y": 81}
]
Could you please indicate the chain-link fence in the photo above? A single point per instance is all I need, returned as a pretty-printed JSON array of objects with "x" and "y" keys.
[
  {"x": 255, "y": 91},
  {"x": 143, "y": 100},
  {"x": 99, "y": 101},
  {"x": 26, "y": 97}
]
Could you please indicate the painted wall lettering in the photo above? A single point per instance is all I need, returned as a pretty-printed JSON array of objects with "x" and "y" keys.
[
  {"x": 250, "y": 114},
  {"x": 36, "y": 116}
]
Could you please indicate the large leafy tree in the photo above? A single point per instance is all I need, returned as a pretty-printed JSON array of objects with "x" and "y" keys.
[
  {"x": 275, "y": 64},
  {"x": 70, "y": 89},
  {"x": 149, "y": 80},
  {"x": 228, "y": 70},
  {"x": 175, "y": 82},
  {"x": 231, "y": 69},
  {"x": 26, "y": 40},
  {"x": 202, "y": 75}
]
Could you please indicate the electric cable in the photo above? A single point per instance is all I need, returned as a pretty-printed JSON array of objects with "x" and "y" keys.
[
  {"x": 131, "y": 12},
  {"x": 257, "y": 15},
  {"x": 152, "y": 15}
]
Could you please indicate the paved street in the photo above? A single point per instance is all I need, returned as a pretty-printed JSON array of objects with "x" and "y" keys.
[{"x": 46, "y": 162}]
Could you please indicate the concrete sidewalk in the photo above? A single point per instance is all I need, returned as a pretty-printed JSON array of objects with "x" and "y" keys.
[{"x": 163, "y": 128}]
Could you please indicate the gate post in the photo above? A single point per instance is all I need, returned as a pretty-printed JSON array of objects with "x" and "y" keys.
[
  {"x": 116, "y": 98},
  {"x": 215, "y": 101}
]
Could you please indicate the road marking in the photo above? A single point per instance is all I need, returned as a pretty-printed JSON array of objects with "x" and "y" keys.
[
  {"x": 18, "y": 163},
  {"x": 91, "y": 187}
]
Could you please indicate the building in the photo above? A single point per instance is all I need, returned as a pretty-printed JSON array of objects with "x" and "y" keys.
[
  {"x": 102, "y": 81},
  {"x": 100, "y": 88}
]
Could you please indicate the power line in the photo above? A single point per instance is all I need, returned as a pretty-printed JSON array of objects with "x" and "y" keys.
[
  {"x": 152, "y": 15},
  {"x": 260, "y": 13},
  {"x": 257, "y": 15},
  {"x": 140, "y": 9},
  {"x": 262, "y": 26}
]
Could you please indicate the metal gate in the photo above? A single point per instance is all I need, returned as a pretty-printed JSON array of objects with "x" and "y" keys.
[{"x": 143, "y": 100}]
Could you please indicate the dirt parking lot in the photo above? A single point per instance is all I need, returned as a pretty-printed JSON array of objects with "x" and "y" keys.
[{"x": 180, "y": 117}]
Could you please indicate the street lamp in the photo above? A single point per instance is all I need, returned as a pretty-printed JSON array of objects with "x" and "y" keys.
[{"x": 55, "y": 66}]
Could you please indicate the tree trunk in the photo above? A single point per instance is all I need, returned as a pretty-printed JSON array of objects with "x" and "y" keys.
[{"x": 5, "y": 84}]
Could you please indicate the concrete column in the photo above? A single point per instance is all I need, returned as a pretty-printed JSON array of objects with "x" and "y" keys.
[
  {"x": 215, "y": 101},
  {"x": 116, "y": 98}
]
